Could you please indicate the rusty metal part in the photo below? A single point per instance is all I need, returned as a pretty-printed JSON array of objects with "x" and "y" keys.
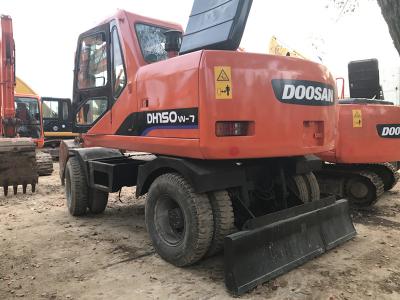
[
  {"x": 17, "y": 164},
  {"x": 44, "y": 163}
]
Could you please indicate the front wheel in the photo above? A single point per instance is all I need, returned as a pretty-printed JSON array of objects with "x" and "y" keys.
[
  {"x": 76, "y": 189},
  {"x": 97, "y": 201},
  {"x": 178, "y": 220}
]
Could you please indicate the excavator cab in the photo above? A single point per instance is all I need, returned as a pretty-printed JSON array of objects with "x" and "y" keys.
[
  {"x": 28, "y": 114},
  {"x": 57, "y": 120}
]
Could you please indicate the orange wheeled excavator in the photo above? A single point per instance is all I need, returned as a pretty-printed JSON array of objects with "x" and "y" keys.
[
  {"x": 231, "y": 135},
  {"x": 364, "y": 162},
  {"x": 21, "y": 129}
]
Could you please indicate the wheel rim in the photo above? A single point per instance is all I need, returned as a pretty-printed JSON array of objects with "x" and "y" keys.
[
  {"x": 359, "y": 190},
  {"x": 169, "y": 220},
  {"x": 68, "y": 190}
]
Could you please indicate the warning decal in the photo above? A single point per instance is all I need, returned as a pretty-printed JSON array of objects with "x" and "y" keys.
[
  {"x": 223, "y": 82},
  {"x": 357, "y": 118}
]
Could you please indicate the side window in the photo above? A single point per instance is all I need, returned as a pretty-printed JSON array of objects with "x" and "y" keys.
[
  {"x": 119, "y": 76},
  {"x": 50, "y": 109},
  {"x": 92, "y": 65},
  {"x": 152, "y": 42},
  {"x": 65, "y": 112},
  {"x": 92, "y": 110}
]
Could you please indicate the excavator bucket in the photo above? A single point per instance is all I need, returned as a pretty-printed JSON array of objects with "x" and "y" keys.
[
  {"x": 276, "y": 243},
  {"x": 17, "y": 164}
]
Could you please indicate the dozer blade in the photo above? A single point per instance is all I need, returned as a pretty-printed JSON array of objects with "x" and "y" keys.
[
  {"x": 273, "y": 244},
  {"x": 17, "y": 164}
]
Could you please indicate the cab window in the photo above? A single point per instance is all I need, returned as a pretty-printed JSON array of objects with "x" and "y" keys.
[
  {"x": 92, "y": 67},
  {"x": 50, "y": 109},
  {"x": 65, "y": 111},
  {"x": 119, "y": 76},
  {"x": 28, "y": 114},
  {"x": 152, "y": 41},
  {"x": 91, "y": 111}
]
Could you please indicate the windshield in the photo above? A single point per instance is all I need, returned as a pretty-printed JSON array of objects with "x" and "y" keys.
[{"x": 28, "y": 115}]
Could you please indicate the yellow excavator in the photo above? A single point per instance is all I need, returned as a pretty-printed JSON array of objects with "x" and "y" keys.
[{"x": 277, "y": 47}]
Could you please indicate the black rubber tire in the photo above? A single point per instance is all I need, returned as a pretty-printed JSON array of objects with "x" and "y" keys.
[
  {"x": 301, "y": 187},
  {"x": 97, "y": 201},
  {"x": 224, "y": 220},
  {"x": 196, "y": 236},
  {"x": 313, "y": 186},
  {"x": 76, "y": 189}
]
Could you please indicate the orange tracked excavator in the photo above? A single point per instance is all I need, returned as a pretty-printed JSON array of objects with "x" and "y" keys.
[
  {"x": 17, "y": 155},
  {"x": 21, "y": 129},
  {"x": 364, "y": 162},
  {"x": 231, "y": 135}
]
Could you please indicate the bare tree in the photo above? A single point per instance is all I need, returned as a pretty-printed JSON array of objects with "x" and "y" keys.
[
  {"x": 342, "y": 7},
  {"x": 391, "y": 13}
]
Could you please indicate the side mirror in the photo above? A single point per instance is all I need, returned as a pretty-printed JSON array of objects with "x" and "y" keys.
[{"x": 173, "y": 41}]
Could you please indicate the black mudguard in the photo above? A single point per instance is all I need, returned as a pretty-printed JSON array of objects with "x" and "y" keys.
[{"x": 273, "y": 244}]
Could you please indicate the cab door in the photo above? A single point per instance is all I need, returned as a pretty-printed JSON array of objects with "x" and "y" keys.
[{"x": 92, "y": 81}]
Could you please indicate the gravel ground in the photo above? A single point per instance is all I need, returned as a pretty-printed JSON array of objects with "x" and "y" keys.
[{"x": 47, "y": 254}]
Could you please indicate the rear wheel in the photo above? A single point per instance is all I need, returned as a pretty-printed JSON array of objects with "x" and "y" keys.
[
  {"x": 178, "y": 220},
  {"x": 97, "y": 201},
  {"x": 304, "y": 187},
  {"x": 313, "y": 186},
  {"x": 224, "y": 219},
  {"x": 76, "y": 189}
]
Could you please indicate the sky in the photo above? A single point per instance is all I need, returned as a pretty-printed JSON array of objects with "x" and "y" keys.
[{"x": 46, "y": 33}]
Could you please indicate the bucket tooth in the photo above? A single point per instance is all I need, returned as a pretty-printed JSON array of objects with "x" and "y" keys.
[
  {"x": 33, "y": 187},
  {"x": 24, "y": 185},
  {"x": 15, "y": 188},
  {"x": 276, "y": 243}
]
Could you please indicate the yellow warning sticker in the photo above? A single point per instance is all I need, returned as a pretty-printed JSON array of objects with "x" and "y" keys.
[
  {"x": 357, "y": 118},
  {"x": 223, "y": 82}
]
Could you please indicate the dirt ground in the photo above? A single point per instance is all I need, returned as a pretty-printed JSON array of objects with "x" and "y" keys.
[{"x": 47, "y": 254}]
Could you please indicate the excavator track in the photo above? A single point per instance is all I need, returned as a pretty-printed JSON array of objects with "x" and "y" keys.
[
  {"x": 361, "y": 186},
  {"x": 17, "y": 164},
  {"x": 386, "y": 171},
  {"x": 44, "y": 163}
]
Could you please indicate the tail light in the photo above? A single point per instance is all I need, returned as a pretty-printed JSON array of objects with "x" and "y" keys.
[{"x": 232, "y": 128}]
